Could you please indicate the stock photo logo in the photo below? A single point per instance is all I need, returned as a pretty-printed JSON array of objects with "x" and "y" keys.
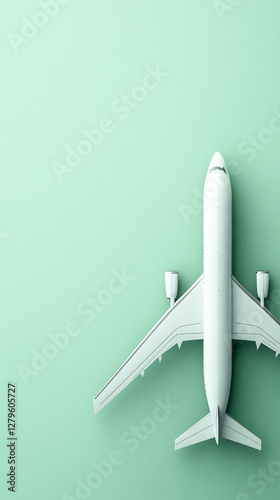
[
  {"x": 30, "y": 27},
  {"x": 121, "y": 108},
  {"x": 200, "y": 199},
  {"x": 130, "y": 442},
  {"x": 223, "y": 7},
  {"x": 254, "y": 144},
  {"x": 260, "y": 480},
  {"x": 87, "y": 310},
  {"x": 248, "y": 148}
]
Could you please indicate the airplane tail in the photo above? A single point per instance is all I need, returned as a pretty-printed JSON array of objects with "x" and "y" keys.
[
  {"x": 201, "y": 431},
  {"x": 208, "y": 428},
  {"x": 235, "y": 432}
]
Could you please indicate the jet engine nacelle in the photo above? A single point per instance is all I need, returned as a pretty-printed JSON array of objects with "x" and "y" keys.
[
  {"x": 171, "y": 285},
  {"x": 262, "y": 285}
]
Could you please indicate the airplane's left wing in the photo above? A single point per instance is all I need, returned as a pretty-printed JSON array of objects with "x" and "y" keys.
[
  {"x": 184, "y": 321},
  {"x": 252, "y": 322}
]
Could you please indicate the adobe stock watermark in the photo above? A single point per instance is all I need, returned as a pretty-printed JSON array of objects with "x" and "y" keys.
[
  {"x": 254, "y": 144},
  {"x": 87, "y": 311},
  {"x": 226, "y": 6},
  {"x": 260, "y": 480},
  {"x": 130, "y": 441},
  {"x": 30, "y": 27},
  {"x": 249, "y": 148},
  {"x": 120, "y": 109},
  {"x": 212, "y": 189}
]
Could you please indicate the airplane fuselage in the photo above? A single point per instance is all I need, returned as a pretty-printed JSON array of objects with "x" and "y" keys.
[{"x": 217, "y": 275}]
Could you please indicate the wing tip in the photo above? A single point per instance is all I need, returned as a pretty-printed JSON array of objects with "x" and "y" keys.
[
  {"x": 96, "y": 406},
  {"x": 236, "y": 432},
  {"x": 179, "y": 443}
]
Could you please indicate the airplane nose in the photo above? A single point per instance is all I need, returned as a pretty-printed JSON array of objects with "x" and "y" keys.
[{"x": 217, "y": 161}]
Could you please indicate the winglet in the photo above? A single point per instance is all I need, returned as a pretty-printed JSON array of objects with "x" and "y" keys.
[{"x": 96, "y": 406}]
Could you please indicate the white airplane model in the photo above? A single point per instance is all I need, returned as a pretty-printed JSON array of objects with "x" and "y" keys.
[{"x": 217, "y": 310}]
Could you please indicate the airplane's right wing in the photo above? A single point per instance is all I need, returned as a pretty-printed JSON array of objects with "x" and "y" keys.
[
  {"x": 250, "y": 321},
  {"x": 184, "y": 321}
]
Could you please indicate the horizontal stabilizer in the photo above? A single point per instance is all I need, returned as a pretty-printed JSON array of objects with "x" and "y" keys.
[
  {"x": 201, "y": 431},
  {"x": 235, "y": 432}
]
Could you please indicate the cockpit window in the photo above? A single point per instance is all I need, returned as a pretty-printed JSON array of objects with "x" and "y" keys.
[{"x": 217, "y": 168}]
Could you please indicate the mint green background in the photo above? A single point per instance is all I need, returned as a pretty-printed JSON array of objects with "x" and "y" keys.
[{"x": 121, "y": 208}]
